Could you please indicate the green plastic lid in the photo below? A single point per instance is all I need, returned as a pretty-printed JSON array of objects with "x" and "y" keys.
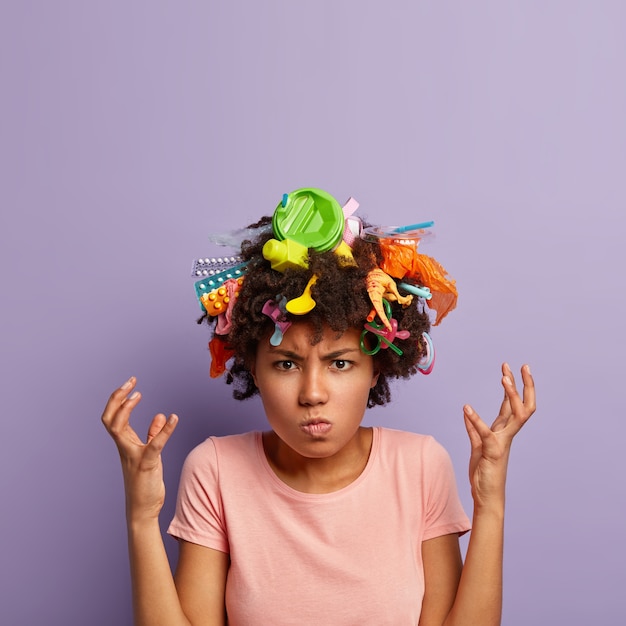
[{"x": 311, "y": 217}]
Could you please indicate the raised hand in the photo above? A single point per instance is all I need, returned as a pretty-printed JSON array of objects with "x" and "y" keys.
[
  {"x": 491, "y": 446},
  {"x": 141, "y": 462}
]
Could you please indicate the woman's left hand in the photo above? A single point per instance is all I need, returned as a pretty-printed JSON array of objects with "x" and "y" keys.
[{"x": 491, "y": 446}]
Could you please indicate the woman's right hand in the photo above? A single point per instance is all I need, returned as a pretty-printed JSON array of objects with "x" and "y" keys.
[{"x": 141, "y": 462}]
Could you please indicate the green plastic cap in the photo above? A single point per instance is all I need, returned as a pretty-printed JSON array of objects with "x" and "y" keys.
[{"x": 311, "y": 217}]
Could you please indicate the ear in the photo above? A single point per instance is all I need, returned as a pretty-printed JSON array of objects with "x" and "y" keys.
[{"x": 374, "y": 379}]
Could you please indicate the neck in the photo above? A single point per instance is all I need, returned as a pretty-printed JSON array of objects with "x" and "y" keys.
[{"x": 318, "y": 475}]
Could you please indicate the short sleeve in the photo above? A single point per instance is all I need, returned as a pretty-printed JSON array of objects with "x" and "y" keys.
[
  {"x": 444, "y": 511},
  {"x": 199, "y": 516}
]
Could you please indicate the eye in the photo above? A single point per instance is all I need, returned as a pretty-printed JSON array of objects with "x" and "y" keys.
[
  {"x": 284, "y": 365},
  {"x": 341, "y": 364}
]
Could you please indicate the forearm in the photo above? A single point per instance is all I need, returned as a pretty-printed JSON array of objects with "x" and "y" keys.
[
  {"x": 155, "y": 599},
  {"x": 478, "y": 600},
  {"x": 479, "y": 596}
]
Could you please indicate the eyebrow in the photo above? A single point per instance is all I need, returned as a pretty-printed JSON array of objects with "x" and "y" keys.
[{"x": 337, "y": 354}]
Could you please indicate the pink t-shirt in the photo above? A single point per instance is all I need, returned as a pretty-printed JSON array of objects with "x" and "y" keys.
[{"x": 350, "y": 557}]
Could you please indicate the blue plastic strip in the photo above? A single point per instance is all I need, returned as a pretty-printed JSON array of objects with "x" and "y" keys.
[{"x": 209, "y": 283}]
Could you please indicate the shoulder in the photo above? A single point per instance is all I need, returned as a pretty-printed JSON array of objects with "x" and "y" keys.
[
  {"x": 214, "y": 451},
  {"x": 219, "y": 445},
  {"x": 405, "y": 440},
  {"x": 419, "y": 451}
]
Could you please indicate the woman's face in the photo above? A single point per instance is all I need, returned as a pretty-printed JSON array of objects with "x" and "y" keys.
[{"x": 314, "y": 396}]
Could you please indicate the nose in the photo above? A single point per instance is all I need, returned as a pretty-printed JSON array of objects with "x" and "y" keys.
[{"x": 313, "y": 387}]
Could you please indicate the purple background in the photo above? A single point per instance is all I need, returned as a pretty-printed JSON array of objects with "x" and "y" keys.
[{"x": 130, "y": 130}]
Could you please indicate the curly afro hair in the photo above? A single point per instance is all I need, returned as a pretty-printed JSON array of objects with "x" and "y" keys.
[{"x": 342, "y": 302}]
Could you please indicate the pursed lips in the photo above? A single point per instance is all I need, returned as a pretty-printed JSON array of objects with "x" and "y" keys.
[{"x": 316, "y": 426}]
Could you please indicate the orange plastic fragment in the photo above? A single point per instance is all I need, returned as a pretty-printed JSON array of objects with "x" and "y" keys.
[
  {"x": 431, "y": 273},
  {"x": 398, "y": 258},
  {"x": 220, "y": 353},
  {"x": 216, "y": 302},
  {"x": 403, "y": 261}
]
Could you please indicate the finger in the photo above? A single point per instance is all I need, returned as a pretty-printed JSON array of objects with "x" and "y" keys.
[
  {"x": 520, "y": 413},
  {"x": 503, "y": 414},
  {"x": 158, "y": 421},
  {"x": 119, "y": 422},
  {"x": 474, "y": 437},
  {"x": 158, "y": 441},
  {"x": 529, "y": 389},
  {"x": 477, "y": 430},
  {"x": 528, "y": 392},
  {"x": 505, "y": 411},
  {"x": 505, "y": 407},
  {"x": 116, "y": 399},
  {"x": 507, "y": 373}
]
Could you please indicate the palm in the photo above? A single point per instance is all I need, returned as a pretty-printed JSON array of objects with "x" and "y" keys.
[
  {"x": 491, "y": 446},
  {"x": 141, "y": 462}
]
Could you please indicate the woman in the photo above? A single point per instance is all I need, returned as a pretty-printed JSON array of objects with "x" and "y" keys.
[{"x": 320, "y": 520}]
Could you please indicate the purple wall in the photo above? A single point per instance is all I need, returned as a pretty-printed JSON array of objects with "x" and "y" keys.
[{"x": 129, "y": 131}]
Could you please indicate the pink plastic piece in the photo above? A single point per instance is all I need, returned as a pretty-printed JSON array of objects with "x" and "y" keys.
[
  {"x": 224, "y": 319},
  {"x": 389, "y": 334},
  {"x": 348, "y": 209},
  {"x": 274, "y": 312}
]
